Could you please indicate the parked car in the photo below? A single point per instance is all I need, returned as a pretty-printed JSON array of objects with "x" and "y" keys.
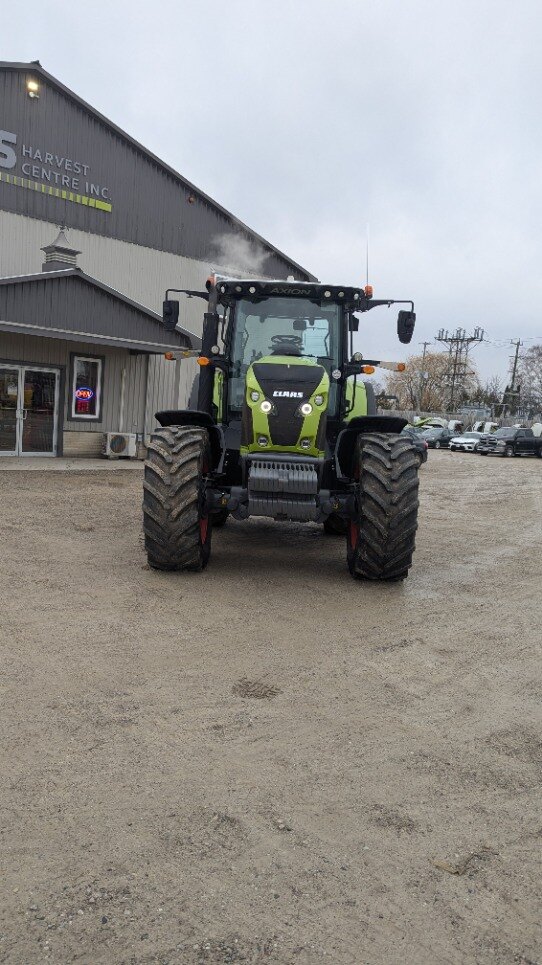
[
  {"x": 511, "y": 441},
  {"x": 418, "y": 441},
  {"x": 468, "y": 442},
  {"x": 484, "y": 427},
  {"x": 438, "y": 438}
]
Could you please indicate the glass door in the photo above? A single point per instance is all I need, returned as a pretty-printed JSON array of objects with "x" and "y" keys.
[
  {"x": 9, "y": 410},
  {"x": 28, "y": 410},
  {"x": 38, "y": 435}
]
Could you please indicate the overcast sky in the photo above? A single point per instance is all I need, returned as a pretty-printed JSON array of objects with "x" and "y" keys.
[{"x": 310, "y": 119}]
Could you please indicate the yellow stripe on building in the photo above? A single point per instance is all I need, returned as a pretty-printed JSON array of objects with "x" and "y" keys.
[{"x": 56, "y": 192}]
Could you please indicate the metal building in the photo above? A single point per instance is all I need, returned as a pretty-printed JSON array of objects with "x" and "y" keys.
[{"x": 81, "y": 345}]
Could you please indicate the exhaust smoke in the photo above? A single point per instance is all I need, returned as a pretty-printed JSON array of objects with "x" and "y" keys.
[{"x": 236, "y": 254}]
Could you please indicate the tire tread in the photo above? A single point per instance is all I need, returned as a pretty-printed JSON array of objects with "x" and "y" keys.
[
  {"x": 388, "y": 507},
  {"x": 171, "y": 498}
]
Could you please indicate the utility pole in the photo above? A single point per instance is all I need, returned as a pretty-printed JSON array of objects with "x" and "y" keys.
[
  {"x": 422, "y": 374},
  {"x": 518, "y": 345},
  {"x": 512, "y": 391},
  {"x": 458, "y": 343}
]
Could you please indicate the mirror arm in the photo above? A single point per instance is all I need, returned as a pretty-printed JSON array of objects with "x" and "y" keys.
[
  {"x": 375, "y": 302},
  {"x": 187, "y": 291}
]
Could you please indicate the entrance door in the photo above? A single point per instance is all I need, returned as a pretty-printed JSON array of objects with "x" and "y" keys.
[
  {"x": 9, "y": 410},
  {"x": 28, "y": 410}
]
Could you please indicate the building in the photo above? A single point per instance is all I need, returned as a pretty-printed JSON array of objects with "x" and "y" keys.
[{"x": 93, "y": 230}]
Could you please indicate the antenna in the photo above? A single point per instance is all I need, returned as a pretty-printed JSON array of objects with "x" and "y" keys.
[{"x": 367, "y": 253}]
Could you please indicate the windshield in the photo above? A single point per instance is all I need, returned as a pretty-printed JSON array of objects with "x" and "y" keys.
[
  {"x": 505, "y": 433},
  {"x": 471, "y": 435},
  {"x": 295, "y": 327},
  {"x": 432, "y": 433}
]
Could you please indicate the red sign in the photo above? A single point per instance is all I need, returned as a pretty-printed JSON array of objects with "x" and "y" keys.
[{"x": 84, "y": 395}]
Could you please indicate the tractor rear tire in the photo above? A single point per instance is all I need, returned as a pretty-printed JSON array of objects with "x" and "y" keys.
[
  {"x": 380, "y": 539},
  {"x": 176, "y": 522}
]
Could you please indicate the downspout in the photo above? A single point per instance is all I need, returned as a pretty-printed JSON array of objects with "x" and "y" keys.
[
  {"x": 145, "y": 433},
  {"x": 122, "y": 398}
]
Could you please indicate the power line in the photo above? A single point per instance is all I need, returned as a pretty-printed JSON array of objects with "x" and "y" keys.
[{"x": 458, "y": 343}]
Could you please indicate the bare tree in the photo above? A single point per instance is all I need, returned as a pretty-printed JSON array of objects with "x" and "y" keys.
[
  {"x": 530, "y": 378},
  {"x": 424, "y": 383},
  {"x": 487, "y": 394}
]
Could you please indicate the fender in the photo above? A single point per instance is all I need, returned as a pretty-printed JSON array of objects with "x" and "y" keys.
[
  {"x": 346, "y": 440},
  {"x": 192, "y": 417}
]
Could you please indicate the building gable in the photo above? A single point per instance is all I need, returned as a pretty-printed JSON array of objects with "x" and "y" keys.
[
  {"x": 70, "y": 305},
  {"x": 63, "y": 162}
]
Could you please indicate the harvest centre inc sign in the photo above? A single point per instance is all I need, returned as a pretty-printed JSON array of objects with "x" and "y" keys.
[{"x": 50, "y": 173}]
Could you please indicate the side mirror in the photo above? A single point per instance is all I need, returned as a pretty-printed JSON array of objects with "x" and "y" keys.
[
  {"x": 353, "y": 323},
  {"x": 405, "y": 326},
  {"x": 170, "y": 315}
]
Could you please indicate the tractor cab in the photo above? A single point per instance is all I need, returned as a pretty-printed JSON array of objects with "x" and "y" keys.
[{"x": 285, "y": 355}]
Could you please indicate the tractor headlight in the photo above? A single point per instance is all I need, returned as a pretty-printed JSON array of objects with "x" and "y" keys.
[
  {"x": 262, "y": 440},
  {"x": 266, "y": 406},
  {"x": 305, "y": 443},
  {"x": 306, "y": 408},
  {"x": 254, "y": 396},
  {"x": 318, "y": 399}
]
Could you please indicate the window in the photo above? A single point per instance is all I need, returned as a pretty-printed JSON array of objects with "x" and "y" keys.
[
  {"x": 86, "y": 387},
  {"x": 274, "y": 326}
]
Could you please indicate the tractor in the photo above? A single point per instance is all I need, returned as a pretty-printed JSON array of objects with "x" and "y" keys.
[{"x": 280, "y": 424}]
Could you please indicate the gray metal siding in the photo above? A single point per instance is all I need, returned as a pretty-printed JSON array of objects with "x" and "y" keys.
[
  {"x": 56, "y": 353},
  {"x": 140, "y": 273},
  {"x": 71, "y": 303},
  {"x": 150, "y": 205}
]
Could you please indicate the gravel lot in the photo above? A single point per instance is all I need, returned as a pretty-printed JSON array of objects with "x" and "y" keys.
[{"x": 270, "y": 762}]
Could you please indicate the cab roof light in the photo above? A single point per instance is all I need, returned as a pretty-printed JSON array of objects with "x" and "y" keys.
[{"x": 203, "y": 360}]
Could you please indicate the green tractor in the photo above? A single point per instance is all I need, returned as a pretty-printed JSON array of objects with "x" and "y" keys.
[{"x": 280, "y": 425}]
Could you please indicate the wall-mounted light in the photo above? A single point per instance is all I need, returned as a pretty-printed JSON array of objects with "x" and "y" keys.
[
  {"x": 33, "y": 88},
  {"x": 191, "y": 199}
]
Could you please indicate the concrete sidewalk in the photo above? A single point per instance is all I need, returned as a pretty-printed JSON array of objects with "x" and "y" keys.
[{"x": 54, "y": 464}]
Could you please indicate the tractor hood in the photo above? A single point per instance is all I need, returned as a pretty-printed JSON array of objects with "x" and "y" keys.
[{"x": 285, "y": 406}]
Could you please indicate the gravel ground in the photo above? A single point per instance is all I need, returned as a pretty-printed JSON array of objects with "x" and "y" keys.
[{"x": 271, "y": 762}]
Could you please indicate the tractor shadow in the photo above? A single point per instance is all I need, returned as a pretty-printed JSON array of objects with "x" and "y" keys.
[{"x": 286, "y": 551}]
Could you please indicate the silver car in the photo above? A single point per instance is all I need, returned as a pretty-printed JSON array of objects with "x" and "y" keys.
[{"x": 466, "y": 443}]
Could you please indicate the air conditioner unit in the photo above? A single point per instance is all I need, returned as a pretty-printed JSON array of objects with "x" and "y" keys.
[{"x": 120, "y": 444}]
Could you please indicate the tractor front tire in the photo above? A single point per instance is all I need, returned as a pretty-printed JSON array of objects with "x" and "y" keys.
[
  {"x": 381, "y": 537},
  {"x": 176, "y": 522}
]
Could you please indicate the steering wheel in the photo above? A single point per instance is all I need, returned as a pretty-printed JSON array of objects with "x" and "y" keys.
[{"x": 286, "y": 344}]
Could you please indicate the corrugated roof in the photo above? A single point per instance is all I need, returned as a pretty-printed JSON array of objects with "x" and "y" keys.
[{"x": 163, "y": 340}]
